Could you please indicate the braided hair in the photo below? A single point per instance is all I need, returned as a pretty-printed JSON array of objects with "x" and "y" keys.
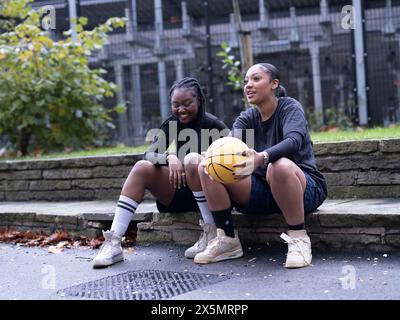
[
  {"x": 194, "y": 85},
  {"x": 274, "y": 74}
]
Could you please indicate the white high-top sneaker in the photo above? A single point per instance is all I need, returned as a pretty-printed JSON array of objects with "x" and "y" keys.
[
  {"x": 220, "y": 248},
  {"x": 209, "y": 233},
  {"x": 110, "y": 251},
  {"x": 299, "y": 249}
]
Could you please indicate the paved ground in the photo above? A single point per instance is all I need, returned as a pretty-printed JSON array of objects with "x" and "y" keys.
[{"x": 34, "y": 273}]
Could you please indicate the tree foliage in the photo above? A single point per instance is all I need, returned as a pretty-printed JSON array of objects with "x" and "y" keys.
[
  {"x": 49, "y": 97},
  {"x": 232, "y": 66}
]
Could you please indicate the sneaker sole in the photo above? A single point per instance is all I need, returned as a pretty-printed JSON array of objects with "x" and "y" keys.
[
  {"x": 189, "y": 256},
  {"x": 115, "y": 260},
  {"x": 226, "y": 256},
  {"x": 192, "y": 255},
  {"x": 296, "y": 265}
]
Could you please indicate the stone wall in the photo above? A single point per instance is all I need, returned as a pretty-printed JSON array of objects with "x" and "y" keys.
[
  {"x": 362, "y": 169},
  {"x": 326, "y": 228},
  {"x": 86, "y": 178}
]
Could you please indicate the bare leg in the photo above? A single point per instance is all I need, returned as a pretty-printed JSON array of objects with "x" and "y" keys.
[
  {"x": 144, "y": 175},
  {"x": 191, "y": 162},
  {"x": 288, "y": 183},
  {"x": 219, "y": 195}
]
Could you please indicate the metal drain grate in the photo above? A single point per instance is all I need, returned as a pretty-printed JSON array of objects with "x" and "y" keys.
[{"x": 142, "y": 285}]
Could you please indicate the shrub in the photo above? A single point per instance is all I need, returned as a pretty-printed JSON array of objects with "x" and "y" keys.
[{"x": 49, "y": 97}]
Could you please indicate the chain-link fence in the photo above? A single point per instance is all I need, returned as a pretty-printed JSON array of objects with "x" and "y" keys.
[{"x": 307, "y": 40}]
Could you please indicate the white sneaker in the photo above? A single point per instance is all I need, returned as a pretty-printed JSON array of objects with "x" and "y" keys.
[
  {"x": 110, "y": 251},
  {"x": 209, "y": 233},
  {"x": 220, "y": 248},
  {"x": 299, "y": 249}
]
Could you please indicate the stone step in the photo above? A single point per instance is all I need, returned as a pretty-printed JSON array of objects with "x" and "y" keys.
[
  {"x": 87, "y": 218},
  {"x": 347, "y": 224}
]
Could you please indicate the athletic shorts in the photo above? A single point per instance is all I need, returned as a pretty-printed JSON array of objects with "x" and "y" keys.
[
  {"x": 183, "y": 201},
  {"x": 262, "y": 201}
]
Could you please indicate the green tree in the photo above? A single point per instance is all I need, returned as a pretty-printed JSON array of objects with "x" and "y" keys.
[
  {"x": 234, "y": 73},
  {"x": 49, "y": 97},
  {"x": 235, "y": 76}
]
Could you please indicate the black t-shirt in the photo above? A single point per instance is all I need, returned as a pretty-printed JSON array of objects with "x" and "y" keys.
[{"x": 284, "y": 134}]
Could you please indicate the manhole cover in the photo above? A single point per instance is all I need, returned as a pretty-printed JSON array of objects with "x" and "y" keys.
[{"x": 142, "y": 285}]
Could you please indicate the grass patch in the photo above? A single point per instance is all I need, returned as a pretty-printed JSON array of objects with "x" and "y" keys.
[
  {"x": 93, "y": 152},
  {"x": 360, "y": 134}
]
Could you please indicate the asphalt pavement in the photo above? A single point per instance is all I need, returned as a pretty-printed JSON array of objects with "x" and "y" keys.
[{"x": 35, "y": 273}]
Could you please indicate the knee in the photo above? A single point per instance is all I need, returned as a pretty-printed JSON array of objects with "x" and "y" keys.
[
  {"x": 143, "y": 168},
  {"x": 280, "y": 169},
  {"x": 201, "y": 173},
  {"x": 192, "y": 159},
  {"x": 191, "y": 163}
]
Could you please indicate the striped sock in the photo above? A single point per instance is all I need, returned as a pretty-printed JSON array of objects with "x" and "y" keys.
[
  {"x": 203, "y": 206},
  {"x": 126, "y": 207}
]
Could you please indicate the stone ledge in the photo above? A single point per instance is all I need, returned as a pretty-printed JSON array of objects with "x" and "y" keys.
[
  {"x": 78, "y": 162},
  {"x": 348, "y": 223},
  {"x": 79, "y": 218},
  {"x": 346, "y": 147},
  {"x": 389, "y": 145}
]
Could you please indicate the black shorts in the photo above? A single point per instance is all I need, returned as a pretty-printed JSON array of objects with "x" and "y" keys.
[
  {"x": 182, "y": 201},
  {"x": 262, "y": 201}
]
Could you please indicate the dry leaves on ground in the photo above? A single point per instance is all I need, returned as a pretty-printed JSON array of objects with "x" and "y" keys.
[{"x": 57, "y": 241}]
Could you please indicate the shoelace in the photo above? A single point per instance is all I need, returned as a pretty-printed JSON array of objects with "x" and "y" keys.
[{"x": 296, "y": 242}]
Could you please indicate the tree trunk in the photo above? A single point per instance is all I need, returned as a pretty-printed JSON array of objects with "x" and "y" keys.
[{"x": 24, "y": 139}]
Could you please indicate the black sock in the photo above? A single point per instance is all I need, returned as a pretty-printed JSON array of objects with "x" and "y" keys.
[
  {"x": 223, "y": 220},
  {"x": 297, "y": 227}
]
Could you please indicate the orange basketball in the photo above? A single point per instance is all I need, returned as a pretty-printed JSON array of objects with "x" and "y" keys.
[{"x": 220, "y": 157}]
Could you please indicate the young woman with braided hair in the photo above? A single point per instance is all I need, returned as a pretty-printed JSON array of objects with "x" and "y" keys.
[{"x": 171, "y": 177}]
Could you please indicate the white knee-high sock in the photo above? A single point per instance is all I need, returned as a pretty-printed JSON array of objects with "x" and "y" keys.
[
  {"x": 203, "y": 206},
  {"x": 126, "y": 207}
]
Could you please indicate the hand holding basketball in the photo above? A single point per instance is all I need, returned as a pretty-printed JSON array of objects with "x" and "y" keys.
[
  {"x": 221, "y": 157},
  {"x": 247, "y": 167}
]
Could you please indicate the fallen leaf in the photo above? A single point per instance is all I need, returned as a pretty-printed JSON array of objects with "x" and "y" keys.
[
  {"x": 53, "y": 249},
  {"x": 56, "y": 237},
  {"x": 96, "y": 243},
  {"x": 129, "y": 250},
  {"x": 62, "y": 244}
]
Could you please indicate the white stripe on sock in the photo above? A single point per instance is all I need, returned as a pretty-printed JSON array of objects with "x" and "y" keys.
[
  {"x": 123, "y": 215},
  {"x": 203, "y": 206}
]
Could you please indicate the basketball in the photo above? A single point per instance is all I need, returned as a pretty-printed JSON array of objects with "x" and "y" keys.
[{"x": 220, "y": 157}]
